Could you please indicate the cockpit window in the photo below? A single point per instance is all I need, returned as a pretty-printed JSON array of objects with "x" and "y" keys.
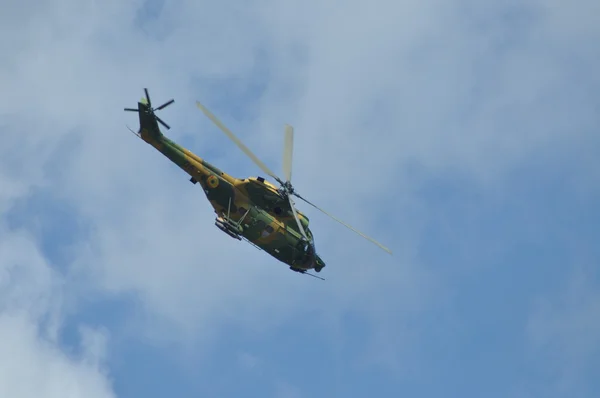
[{"x": 302, "y": 246}]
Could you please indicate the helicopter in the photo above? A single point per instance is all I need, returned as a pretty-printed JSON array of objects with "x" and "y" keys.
[{"x": 250, "y": 209}]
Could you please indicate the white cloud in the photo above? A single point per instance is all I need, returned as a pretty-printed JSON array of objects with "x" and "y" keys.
[
  {"x": 32, "y": 363},
  {"x": 32, "y": 366}
]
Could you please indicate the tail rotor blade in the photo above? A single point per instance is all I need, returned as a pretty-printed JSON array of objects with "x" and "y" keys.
[
  {"x": 161, "y": 122},
  {"x": 132, "y": 110},
  {"x": 165, "y": 105},
  {"x": 148, "y": 97},
  {"x": 346, "y": 225},
  {"x": 288, "y": 151}
]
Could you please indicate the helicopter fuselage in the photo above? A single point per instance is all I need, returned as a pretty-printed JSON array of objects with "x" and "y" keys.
[{"x": 251, "y": 208}]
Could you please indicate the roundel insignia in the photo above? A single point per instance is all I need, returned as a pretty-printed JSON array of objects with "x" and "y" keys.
[{"x": 212, "y": 181}]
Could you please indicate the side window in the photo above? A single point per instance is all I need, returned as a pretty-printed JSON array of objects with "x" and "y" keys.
[
  {"x": 267, "y": 231},
  {"x": 242, "y": 210}
]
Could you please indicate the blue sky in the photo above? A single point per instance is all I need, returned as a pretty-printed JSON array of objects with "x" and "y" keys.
[{"x": 463, "y": 135}]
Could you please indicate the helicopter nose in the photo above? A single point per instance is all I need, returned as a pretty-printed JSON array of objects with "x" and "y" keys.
[{"x": 311, "y": 262}]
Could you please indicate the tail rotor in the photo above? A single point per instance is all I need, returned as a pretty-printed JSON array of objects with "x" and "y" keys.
[{"x": 146, "y": 105}]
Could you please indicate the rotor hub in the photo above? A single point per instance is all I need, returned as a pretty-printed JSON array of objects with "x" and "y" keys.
[{"x": 287, "y": 188}]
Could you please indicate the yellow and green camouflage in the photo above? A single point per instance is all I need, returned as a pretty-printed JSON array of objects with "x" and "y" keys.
[{"x": 251, "y": 208}]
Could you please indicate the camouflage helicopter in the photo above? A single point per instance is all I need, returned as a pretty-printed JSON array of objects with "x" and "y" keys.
[{"x": 252, "y": 208}]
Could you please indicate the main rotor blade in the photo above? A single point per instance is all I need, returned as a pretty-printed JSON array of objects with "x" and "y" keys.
[
  {"x": 297, "y": 219},
  {"x": 239, "y": 143},
  {"x": 346, "y": 225},
  {"x": 288, "y": 151}
]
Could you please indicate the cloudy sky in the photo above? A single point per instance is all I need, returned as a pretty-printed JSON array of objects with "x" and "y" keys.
[{"x": 462, "y": 134}]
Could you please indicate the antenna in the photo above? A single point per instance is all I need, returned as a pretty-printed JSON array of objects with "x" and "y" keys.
[
  {"x": 314, "y": 276},
  {"x": 133, "y": 132}
]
